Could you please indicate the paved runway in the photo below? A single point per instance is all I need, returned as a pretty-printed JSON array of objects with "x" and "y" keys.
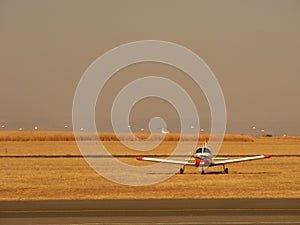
[{"x": 174, "y": 211}]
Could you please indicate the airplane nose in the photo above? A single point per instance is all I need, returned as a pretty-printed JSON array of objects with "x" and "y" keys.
[{"x": 197, "y": 163}]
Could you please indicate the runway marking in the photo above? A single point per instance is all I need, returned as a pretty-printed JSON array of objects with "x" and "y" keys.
[
  {"x": 181, "y": 223},
  {"x": 137, "y": 210},
  {"x": 189, "y": 223}
]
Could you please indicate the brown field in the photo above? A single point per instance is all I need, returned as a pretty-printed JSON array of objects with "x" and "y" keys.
[{"x": 72, "y": 178}]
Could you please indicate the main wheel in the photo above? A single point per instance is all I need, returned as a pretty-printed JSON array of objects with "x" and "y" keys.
[
  {"x": 226, "y": 170},
  {"x": 181, "y": 170}
]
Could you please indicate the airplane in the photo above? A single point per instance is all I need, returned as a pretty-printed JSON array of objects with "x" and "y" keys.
[{"x": 204, "y": 158}]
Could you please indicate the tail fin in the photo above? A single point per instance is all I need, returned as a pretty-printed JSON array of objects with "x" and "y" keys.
[{"x": 205, "y": 143}]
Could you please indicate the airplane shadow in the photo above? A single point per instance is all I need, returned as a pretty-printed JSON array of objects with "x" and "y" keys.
[
  {"x": 249, "y": 173},
  {"x": 213, "y": 172},
  {"x": 160, "y": 173},
  {"x": 221, "y": 172},
  {"x": 190, "y": 173}
]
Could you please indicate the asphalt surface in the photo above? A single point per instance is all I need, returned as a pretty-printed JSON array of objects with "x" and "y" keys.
[{"x": 173, "y": 211}]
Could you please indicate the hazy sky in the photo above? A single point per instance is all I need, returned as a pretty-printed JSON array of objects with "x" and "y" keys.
[{"x": 253, "y": 48}]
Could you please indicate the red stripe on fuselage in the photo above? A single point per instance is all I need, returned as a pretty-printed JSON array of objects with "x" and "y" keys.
[{"x": 201, "y": 162}]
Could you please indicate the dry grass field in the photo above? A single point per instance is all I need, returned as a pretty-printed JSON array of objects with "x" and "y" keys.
[
  {"x": 72, "y": 178},
  {"x": 85, "y": 136}
]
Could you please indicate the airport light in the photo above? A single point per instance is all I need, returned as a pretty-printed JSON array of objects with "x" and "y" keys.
[
  {"x": 20, "y": 128},
  {"x": 3, "y": 126},
  {"x": 35, "y": 128}
]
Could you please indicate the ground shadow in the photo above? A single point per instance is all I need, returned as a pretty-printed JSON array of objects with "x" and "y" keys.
[
  {"x": 249, "y": 173},
  {"x": 221, "y": 172}
]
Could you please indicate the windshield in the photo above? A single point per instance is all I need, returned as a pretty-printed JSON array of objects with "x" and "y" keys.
[{"x": 204, "y": 150}]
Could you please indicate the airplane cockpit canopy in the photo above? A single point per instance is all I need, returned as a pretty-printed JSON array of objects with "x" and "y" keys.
[{"x": 204, "y": 150}]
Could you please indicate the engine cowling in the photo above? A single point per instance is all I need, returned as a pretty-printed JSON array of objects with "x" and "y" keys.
[{"x": 201, "y": 162}]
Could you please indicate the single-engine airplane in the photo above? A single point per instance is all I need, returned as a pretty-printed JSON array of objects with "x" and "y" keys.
[{"x": 204, "y": 158}]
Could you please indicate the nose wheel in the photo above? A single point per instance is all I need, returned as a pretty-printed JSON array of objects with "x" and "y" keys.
[{"x": 202, "y": 170}]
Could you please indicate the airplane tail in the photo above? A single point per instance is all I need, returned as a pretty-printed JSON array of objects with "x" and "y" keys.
[{"x": 205, "y": 143}]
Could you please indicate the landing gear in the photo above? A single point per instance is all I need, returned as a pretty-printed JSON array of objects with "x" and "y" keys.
[
  {"x": 202, "y": 170},
  {"x": 181, "y": 170},
  {"x": 225, "y": 169}
]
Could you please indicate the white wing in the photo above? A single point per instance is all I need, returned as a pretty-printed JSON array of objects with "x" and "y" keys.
[
  {"x": 219, "y": 158},
  {"x": 240, "y": 159},
  {"x": 186, "y": 163}
]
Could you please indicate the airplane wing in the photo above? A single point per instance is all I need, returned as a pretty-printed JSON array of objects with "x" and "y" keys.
[
  {"x": 220, "y": 158},
  {"x": 186, "y": 163},
  {"x": 222, "y": 162}
]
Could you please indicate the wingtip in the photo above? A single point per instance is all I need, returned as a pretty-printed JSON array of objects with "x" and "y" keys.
[
  {"x": 139, "y": 158},
  {"x": 267, "y": 156}
]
